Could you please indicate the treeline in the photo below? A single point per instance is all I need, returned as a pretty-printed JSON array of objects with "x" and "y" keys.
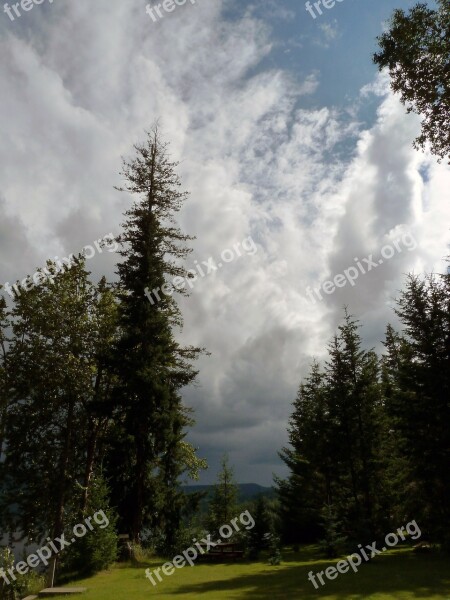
[
  {"x": 370, "y": 435},
  {"x": 91, "y": 415}
]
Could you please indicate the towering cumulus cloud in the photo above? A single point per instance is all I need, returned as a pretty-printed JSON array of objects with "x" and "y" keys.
[{"x": 312, "y": 187}]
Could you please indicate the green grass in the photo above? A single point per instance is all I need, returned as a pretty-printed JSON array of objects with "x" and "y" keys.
[{"x": 398, "y": 574}]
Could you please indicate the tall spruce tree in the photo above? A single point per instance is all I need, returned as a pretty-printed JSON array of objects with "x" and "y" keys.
[
  {"x": 148, "y": 453},
  {"x": 334, "y": 437},
  {"x": 309, "y": 460},
  {"x": 400, "y": 490},
  {"x": 355, "y": 406},
  {"x": 417, "y": 400}
]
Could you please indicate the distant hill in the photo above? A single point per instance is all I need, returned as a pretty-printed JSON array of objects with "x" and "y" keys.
[{"x": 247, "y": 491}]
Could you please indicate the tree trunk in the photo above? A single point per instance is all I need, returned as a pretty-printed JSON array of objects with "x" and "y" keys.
[
  {"x": 89, "y": 469},
  {"x": 58, "y": 525}
]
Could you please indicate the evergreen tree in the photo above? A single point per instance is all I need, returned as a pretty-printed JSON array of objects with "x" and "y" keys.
[
  {"x": 147, "y": 455},
  {"x": 418, "y": 399},
  {"x": 333, "y": 542},
  {"x": 335, "y": 434},
  {"x": 309, "y": 460},
  {"x": 400, "y": 490},
  {"x": 223, "y": 503},
  {"x": 259, "y": 537},
  {"x": 355, "y": 405}
]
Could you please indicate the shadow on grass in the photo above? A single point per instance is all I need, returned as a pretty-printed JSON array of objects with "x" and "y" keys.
[{"x": 391, "y": 574}]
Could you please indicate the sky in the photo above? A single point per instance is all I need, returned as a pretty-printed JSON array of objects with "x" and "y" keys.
[{"x": 290, "y": 144}]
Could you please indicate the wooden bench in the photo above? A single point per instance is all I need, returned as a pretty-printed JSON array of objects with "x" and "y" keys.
[
  {"x": 222, "y": 553},
  {"x": 49, "y": 592}
]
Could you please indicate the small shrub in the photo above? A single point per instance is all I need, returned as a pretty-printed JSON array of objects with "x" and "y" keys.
[
  {"x": 275, "y": 553},
  {"x": 25, "y": 585},
  {"x": 275, "y": 560},
  {"x": 98, "y": 549},
  {"x": 30, "y": 583},
  {"x": 333, "y": 542}
]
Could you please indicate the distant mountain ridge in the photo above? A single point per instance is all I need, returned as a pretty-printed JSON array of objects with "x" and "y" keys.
[{"x": 246, "y": 491}]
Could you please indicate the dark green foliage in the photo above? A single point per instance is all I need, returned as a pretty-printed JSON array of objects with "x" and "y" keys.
[
  {"x": 223, "y": 507},
  {"x": 52, "y": 427},
  {"x": 90, "y": 380},
  {"x": 25, "y": 585},
  {"x": 148, "y": 455},
  {"x": 335, "y": 434},
  {"x": 417, "y": 392},
  {"x": 260, "y": 535},
  {"x": 369, "y": 439},
  {"x": 275, "y": 556},
  {"x": 355, "y": 406},
  {"x": 304, "y": 492},
  {"x": 98, "y": 549},
  {"x": 416, "y": 50},
  {"x": 333, "y": 544}
]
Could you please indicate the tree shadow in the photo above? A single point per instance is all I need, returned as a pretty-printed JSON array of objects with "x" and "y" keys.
[{"x": 392, "y": 574}]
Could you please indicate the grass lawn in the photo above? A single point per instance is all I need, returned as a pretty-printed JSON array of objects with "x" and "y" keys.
[{"x": 398, "y": 574}]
